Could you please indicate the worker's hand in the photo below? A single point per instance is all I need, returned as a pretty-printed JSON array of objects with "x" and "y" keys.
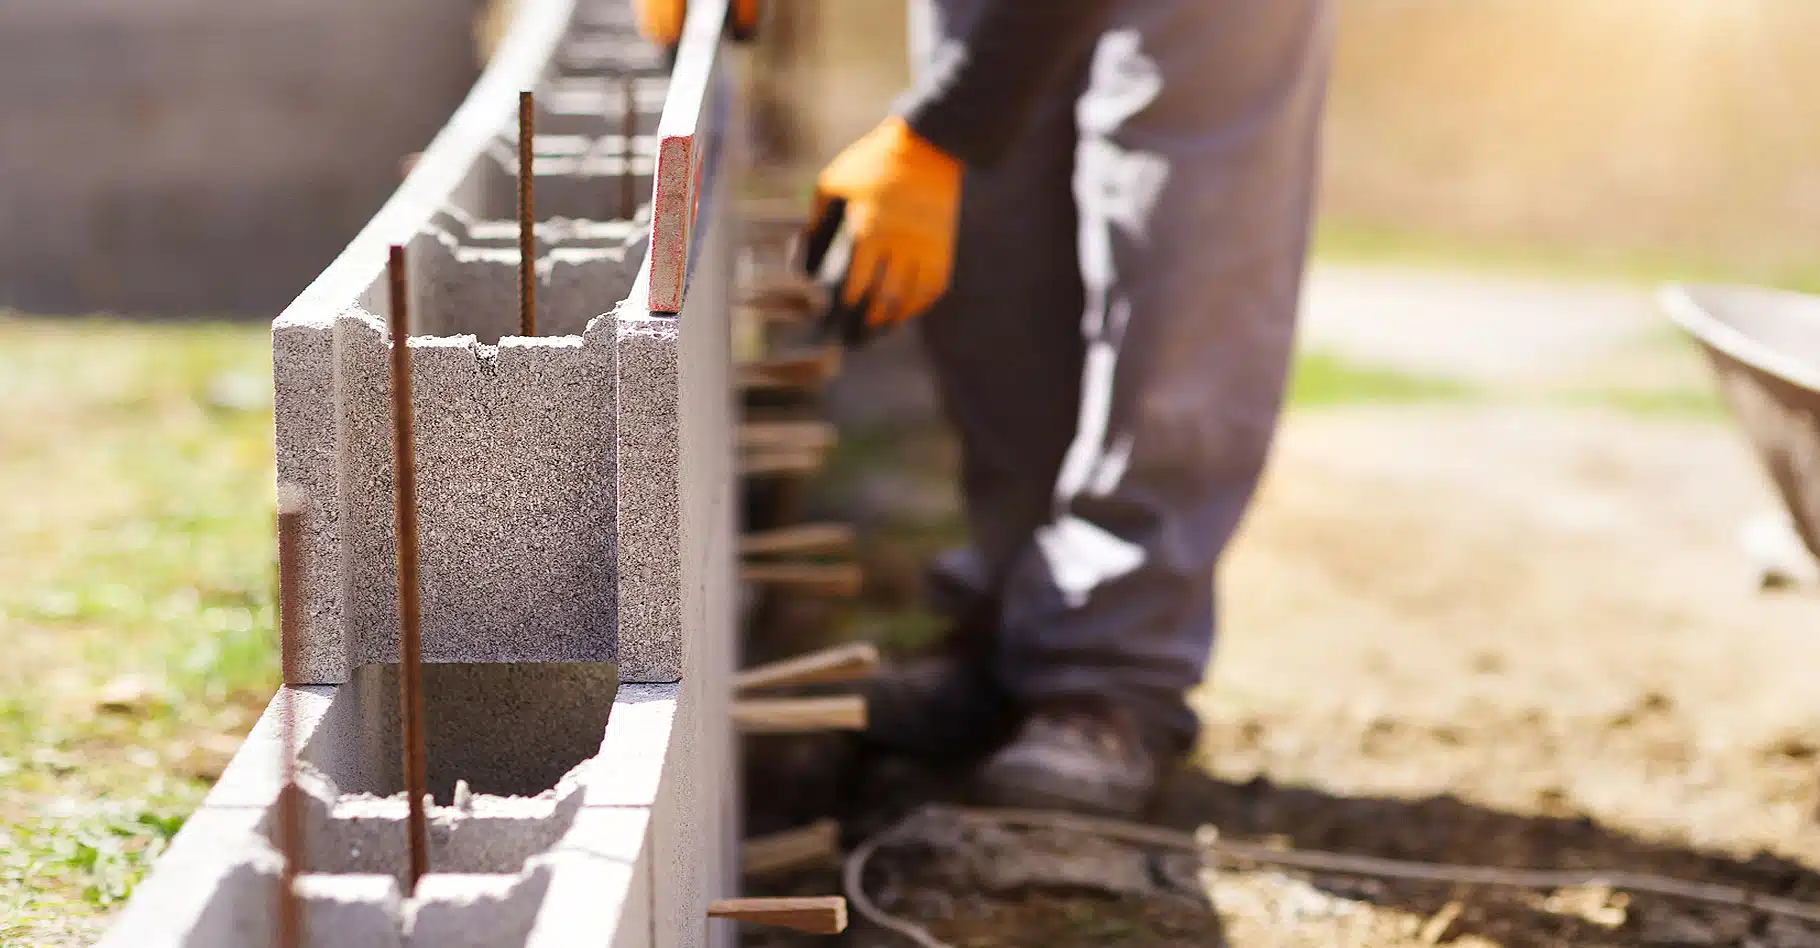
[
  {"x": 661, "y": 21},
  {"x": 903, "y": 199}
]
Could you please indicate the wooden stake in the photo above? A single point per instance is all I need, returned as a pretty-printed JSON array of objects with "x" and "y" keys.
[
  {"x": 785, "y": 296},
  {"x": 404, "y": 501},
  {"x": 800, "y": 715},
  {"x": 806, "y": 847},
  {"x": 854, "y": 661},
  {"x": 820, "y": 915},
  {"x": 841, "y": 580},
  {"x": 783, "y": 435},
  {"x": 527, "y": 217},
  {"x": 290, "y": 805},
  {"x": 781, "y": 463},
  {"x": 800, "y": 371},
  {"x": 805, "y": 539}
]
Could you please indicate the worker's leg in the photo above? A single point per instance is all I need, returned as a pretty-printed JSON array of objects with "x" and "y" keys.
[
  {"x": 1194, "y": 183},
  {"x": 1004, "y": 341},
  {"x": 1005, "y": 346}
]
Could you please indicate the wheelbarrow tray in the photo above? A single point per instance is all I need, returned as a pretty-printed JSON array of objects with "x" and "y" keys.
[{"x": 1764, "y": 347}]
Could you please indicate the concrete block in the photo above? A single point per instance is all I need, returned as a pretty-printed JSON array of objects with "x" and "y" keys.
[
  {"x": 351, "y": 911},
  {"x": 476, "y": 911},
  {"x": 507, "y": 729},
  {"x": 516, "y": 476},
  {"x": 637, "y": 743},
  {"x": 690, "y": 355},
  {"x": 649, "y": 448},
  {"x": 600, "y": 886},
  {"x": 307, "y": 448},
  {"x": 462, "y": 286},
  {"x": 576, "y": 500},
  {"x": 550, "y": 858},
  {"x": 586, "y": 185}
]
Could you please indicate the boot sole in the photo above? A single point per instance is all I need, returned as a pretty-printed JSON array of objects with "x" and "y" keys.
[{"x": 1019, "y": 788}]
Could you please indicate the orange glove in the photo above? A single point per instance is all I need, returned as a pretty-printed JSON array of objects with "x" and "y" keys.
[
  {"x": 903, "y": 201},
  {"x": 661, "y": 21}
]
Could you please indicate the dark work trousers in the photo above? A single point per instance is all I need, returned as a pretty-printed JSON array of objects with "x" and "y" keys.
[{"x": 1113, "y": 347}]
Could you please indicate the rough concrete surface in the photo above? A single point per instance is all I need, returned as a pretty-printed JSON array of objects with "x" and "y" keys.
[{"x": 575, "y": 498}]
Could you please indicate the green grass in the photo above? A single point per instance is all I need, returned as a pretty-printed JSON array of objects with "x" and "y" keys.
[
  {"x": 1341, "y": 241},
  {"x": 1665, "y": 404},
  {"x": 135, "y": 539},
  {"x": 1320, "y": 379}
]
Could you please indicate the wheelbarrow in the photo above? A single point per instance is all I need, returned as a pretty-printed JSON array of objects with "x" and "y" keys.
[{"x": 1764, "y": 347}]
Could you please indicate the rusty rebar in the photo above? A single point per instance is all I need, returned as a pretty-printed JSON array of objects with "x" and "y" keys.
[
  {"x": 404, "y": 500},
  {"x": 527, "y": 218},
  {"x": 290, "y": 802},
  {"x": 628, "y": 127}
]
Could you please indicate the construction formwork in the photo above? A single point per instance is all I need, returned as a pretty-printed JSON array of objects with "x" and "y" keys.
[{"x": 576, "y": 508}]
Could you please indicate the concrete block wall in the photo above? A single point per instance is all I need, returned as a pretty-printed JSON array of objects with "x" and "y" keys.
[{"x": 577, "y": 536}]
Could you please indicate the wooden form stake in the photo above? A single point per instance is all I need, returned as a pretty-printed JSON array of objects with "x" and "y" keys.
[
  {"x": 851, "y": 662},
  {"x": 800, "y": 371},
  {"x": 290, "y": 804},
  {"x": 780, "y": 435},
  {"x": 819, "y": 915},
  {"x": 527, "y": 216},
  {"x": 404, "y": 501},
  {"x": 807, "y": 539},
  {"x": 806, "y": 847},
  {"x": 838, "y": 580},
  {"x": 800, "y": 715}
]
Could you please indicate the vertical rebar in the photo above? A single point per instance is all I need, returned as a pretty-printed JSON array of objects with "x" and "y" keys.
[
  {"x": 527, "y": 218},
  {"x": 628, "y": 127},
  {"x": 404, "y": 500},
  {"x": 290, "y": 803}
]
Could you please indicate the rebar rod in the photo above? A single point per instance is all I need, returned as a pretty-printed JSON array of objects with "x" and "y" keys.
[
  {"x": 290, "y": 803},
  {"x": 628, "y": 126},
  {"x": 527, "y": 216},
  {"x": 404, "y": 499}
]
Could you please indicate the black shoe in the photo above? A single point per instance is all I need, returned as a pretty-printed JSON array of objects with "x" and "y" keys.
[
  {"x": 940, "y": 710},
  {"x": 1082, "y": 756}
]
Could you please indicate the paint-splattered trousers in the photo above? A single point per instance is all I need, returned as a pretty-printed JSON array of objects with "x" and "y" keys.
[{"x": 1114, "y": 346}]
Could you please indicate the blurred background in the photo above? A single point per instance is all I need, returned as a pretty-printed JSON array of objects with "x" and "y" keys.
[{"x": 1490, "y": 605}]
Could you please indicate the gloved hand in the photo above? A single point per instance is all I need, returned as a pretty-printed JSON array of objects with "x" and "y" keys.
[
  {"x": 661, "y": 21},
  {"x": 902, "y": 205}
]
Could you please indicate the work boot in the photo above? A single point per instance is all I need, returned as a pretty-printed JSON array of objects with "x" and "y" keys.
[
  {"x": 942, "y": 710},
  {"x": 947, "y": 707},
  {"x": 1086, "y": 756}
]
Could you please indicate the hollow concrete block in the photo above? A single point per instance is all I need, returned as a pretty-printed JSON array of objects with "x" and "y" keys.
[
  {"x": 516, "y": 497},
  {"x": 649, "y": 447}
]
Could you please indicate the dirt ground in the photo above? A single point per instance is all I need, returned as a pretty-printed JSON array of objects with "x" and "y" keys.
[
  {"x": 1498, "y": 632},
  {"x": 1518, "y": 637}
]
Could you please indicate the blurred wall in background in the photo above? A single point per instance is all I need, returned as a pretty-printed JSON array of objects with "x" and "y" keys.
[
  {"x": 202, "y": 156},
  {"x": 188, "y": 157},
  {"x": 1682, "y": 129}
]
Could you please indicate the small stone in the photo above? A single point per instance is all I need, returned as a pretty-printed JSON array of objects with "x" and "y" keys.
[
  {"x": 207, "y": 758},
  {"x": 127, "y": 694}
]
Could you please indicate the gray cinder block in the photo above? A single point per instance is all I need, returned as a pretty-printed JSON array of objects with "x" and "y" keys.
[
  {"x": 576, "y": 506},
  {"x": 649, "y": 433},
  {"x": 468, "y": 285},
  {"x": 516, "y": 477}
]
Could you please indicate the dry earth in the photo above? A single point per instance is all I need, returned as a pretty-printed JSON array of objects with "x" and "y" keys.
[
  {"x": 1507, "y": 636},
  {"x": 1508, "y": 628}
]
